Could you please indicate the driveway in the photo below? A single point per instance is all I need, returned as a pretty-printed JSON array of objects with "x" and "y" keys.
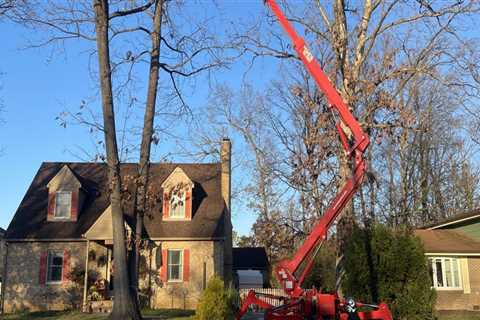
[{"x": 253, "y": 316}]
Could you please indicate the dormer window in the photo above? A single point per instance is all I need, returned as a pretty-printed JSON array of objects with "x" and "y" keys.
[
  {"x": 65, "y": 196},
  {"x": 63, "y": 205},
  {"x": 177, "y": 204},
  {"x": 177, "y": 196}
]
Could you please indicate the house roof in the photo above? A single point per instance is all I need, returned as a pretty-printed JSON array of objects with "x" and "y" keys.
[
  {"x": 250, "y": 258},
  {"x": 447, "y": 241},
  {"x": 29, "y": 221},
  {"x": 456, "y": 219}
]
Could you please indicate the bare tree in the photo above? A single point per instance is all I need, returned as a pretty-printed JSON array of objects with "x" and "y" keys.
[
  {"x": 125, "y": 46},
  {"x": 380, "y": 55},
  {"x": 125, "y": 306}
]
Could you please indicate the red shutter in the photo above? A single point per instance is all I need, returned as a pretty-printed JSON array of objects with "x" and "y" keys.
[
  {"x": 166, "y": 204},
  {"x": 74, "y": 206},
  {"x": 163, "y": 271},
  {"x": 42, "y": 272},
  {"x": 66, "y": 266},
  {"x": 186, "y": 264},
  {"x": 188, "y": 205},
  {"x": 51, "y": 206}
]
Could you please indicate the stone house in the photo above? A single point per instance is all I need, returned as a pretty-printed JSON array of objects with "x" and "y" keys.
[
  {"x": 62, "y": 232},
  {"x": 453, "y": 250}
]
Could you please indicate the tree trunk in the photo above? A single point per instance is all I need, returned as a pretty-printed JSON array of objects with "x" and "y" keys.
[
  {"x": 124, "y": 307},
  {"x": 144, "y": 165}
]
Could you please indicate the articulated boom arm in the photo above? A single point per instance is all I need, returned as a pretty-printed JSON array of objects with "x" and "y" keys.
[
  {"x": 300, "y": 304},
  {"x": 353, "y": 139}
]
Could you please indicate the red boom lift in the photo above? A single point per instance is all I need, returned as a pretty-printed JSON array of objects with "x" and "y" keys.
[{"x": 310, "y": 304}]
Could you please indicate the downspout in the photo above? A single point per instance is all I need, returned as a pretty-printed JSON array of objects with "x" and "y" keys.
[{"x": 85, "y": 280}]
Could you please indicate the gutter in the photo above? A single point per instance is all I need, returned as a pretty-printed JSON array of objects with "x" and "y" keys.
[
  {"x": 440, "y": 254},
  {"x": 46, "y": 240},
  {"x": 453, "y": 222}
]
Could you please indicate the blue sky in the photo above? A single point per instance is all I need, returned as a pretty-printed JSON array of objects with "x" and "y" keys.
[{"x": 38, "y": 84}]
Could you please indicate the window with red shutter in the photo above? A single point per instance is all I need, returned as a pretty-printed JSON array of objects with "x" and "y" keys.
[
  {"x": 186, "y": 265},
  {"x": 74, "y": 206},
  {"x": 51, "y": 206},
  {"x": 178, "y": 205},
  {"x": 42, "y": 270},
  {"x": 163, "y": 270},
  {"x": 63, "y": 205},
  {"x": 66, "y": 266},
  {"x": 166, "y": 205},
  {"x": 188, "y": 205},
  {"x": 55, "y": 264}
]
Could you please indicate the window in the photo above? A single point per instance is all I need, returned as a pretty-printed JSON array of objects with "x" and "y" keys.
[
  {"x": 175, "y": 265},
  {"x": 63, "y": 204},
  {"x": 177, "y": 205},
  {"x": 445, "y": 273},
  {"x": 54, "y": 266}
]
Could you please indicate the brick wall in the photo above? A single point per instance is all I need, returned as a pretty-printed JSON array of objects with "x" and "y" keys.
[{"x": 457, "y": 299}]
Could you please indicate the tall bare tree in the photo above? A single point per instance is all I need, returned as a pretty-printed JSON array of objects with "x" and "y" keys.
[
  {"x": 190, "y": 49},
  {"x": 124, "y": 306},
  {"x": 377, "y": 53}
]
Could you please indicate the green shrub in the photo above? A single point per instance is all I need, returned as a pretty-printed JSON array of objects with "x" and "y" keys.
[
  {"x": 388, "y": 266},
  {"x": 217, "y": 302},
  {"x": 322, "y": 275}
]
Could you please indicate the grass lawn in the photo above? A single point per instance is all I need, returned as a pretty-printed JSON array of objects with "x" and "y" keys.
[
  {"x": 459, "y": 315},
  {"x": 76, "y": 315}
]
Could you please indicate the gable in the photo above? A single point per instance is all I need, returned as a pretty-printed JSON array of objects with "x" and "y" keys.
[
  {"x": 178, "y": 176},
  {"x": 470, "y": 229},
  {"x": 102, "y": 228},
  {"x": 458, "y": 219},
  {"x": 65, "y": 179}
]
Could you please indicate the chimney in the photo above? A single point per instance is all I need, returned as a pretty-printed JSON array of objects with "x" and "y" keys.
[
  {"x": 226, "y": 184},
  {"x": 225, "y": 158}
]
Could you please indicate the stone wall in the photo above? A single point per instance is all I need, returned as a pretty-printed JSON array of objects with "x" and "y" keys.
[
  {"x": 185, "y": 295},
  {"x": 457, "y": 299},
  {"x": 23, "y": 290}
]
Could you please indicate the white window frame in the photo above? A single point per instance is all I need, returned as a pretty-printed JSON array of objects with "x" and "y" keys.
[
  {"x": 50, "y": 255},
  {"x": 180, "y": 265},
  {"x": 451, "y": 262},
  {"x": 69, "y": 216},
  {"x": 172, "y": 209}
]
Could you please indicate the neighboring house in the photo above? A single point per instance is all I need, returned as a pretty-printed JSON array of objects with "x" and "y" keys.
[
  {"x": 453, "y": 250},
  {"x": 251, "y": 268},
  {"x": 64, "y": 223}
]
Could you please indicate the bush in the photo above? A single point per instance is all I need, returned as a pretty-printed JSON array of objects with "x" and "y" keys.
[
  {"x": 217, "y": 302},
  {"x": 322, "y": 275},
  {"x": 388, "y": 266}
]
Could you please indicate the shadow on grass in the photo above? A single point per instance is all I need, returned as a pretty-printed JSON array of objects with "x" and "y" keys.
[
  {"x": 50, "y": 315},
  {"x": 167, "y": 314},
  {"x": 170, "y": 314}
]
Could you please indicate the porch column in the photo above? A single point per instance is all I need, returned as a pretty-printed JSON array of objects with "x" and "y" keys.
[{"x": 85, "y": 280}]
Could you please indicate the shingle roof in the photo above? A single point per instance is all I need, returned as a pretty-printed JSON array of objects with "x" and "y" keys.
[
  {"x": 447, "y": 241},
  {"x": 29, "y": 221},
  {"x": 455, "y": 219},
  {"x": 250, "y": 258}
]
